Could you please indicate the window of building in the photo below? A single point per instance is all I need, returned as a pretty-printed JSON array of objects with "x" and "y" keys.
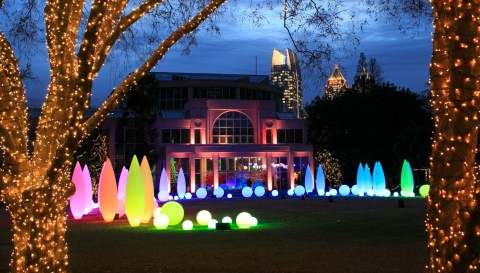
[
  {"x": 198, "y": 136},
  {"x": 175, "y": 136},
  {"x": 269, "y": 137},
  {"x": 171, "y": 99},
  {"x": 216, "y": 93},
  {"x": 289, "y": 136},
  {"x": 233, "y": 127}
]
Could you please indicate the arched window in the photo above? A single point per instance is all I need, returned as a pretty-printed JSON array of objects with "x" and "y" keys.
[{"x": 233, "y": 127}]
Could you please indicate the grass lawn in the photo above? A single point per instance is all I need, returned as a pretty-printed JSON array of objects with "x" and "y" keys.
[{"x": 312, "y": 235}]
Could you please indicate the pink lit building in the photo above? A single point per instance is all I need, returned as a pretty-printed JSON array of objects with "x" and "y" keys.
[{"x": 223, "y": 130}]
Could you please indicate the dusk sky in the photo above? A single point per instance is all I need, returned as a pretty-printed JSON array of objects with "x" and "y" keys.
[{"x": 244, "y": 49}]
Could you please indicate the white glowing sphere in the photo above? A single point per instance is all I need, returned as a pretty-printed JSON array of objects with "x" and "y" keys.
[
  {"x": 187, "y": 225},
  {"x": 175, "y": 198},
  {"x": 274, "y": 193},
  {"x": 163, "y": 196},
  {"x": 370, "y": 192},
  {"x": 354, "y": 190},
  {"x": 161, "y": 221},
  {"x": 361, "y": 193},
  {"x": 218, "y": 192},
  {"x": 254, "y": 222},
  {"x": 244, "y": 220},
  {"x": 203, "y": 217},
  {"x": 247, "y": 192},
  {"x": 387, "y": 193},
  {"x": 333, "y": 192},
  {"x": 299, "y": 190},
  {"x": 157, "y": 211},
  {"x": 259, "y": 191},
  {"x": 212, "y": 224},
  {"x": 395, "y": 194},
  {"x": 412, "y": 194},
  {"x": 229, "y": 195},
  {"x": 290, "y": 192},
  {"x": 201, "y": 193},
  {"x": 328, "y": 193},
  {"x": 344, "y": 190},
  {"x": 321, "y": 192},
  {"x": 170, "y": 197},
  {"x": 188, "y": 195},
  {"x": 226, "y": 219}
]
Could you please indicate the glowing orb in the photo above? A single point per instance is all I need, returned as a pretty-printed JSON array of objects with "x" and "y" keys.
[
  {"x": 174, "y": 211},
  {"x": 175, "y": 198},
  {"x": 161, "y": 221},
  {"x": 274, "y": 193},
  {"x": 229, "y": 195},
  {"x": 412, "y": 194},
  {"x": 203, "y": 217},
  {"x": 395, "y": 194},
  {"x": 299, "y": 190},
  {"x": 333, "y": 192},
  {"x": 244, "y": 220},
  {"x": 344, "y": 190},
  {"x": 201, "y": 193},
  {"x": 188, "y": 196},
  {"x": 218, "y": 192},
  {"x": 259, "y": 191},
  {"x": 328, "y": 193},
  {"x": 157, "y": 211},
  {"x": 226, "y": 219},
  {"x": 170, "y": 197},
  {"x": 370, "y": 192},
  {"x": 290, "y": 192},
  {"x": 247, "y": 192},
  {"x": 361, "y": 193},
  {"x": 254, "y": 222},
  {"x": 212, "y": 224},
  {"x": 187, "y": 225},
  {"x": 354, "y": 190},
  {"x": 387, "y": 193},
  {"x": 424, "y": 189},
  {"x": 163, "y": 196},
  {"x": 321, "y": 192}
]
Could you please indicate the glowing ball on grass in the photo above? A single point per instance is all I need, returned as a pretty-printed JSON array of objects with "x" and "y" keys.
[
  {"x": 244, "y": 220},
  {"x": 229, "y": 195},
  {"x": 134, "y": 194},
  {"x": 370, "y": 192},
  {"x": 378, "y": 179},
  {"x": 328, "y": 193},
  {"x": 147, "y": 190},
  {"x": 212, "y": 224},
  {"x": 361, "y": 194},
  {"x": 308, "y": 180},
  {"x": 254, "y": 222},
  {"x": 203, "y": 217},
  {"x": 299, "y": 190},
  {"x": 163, "y": 196},
  {"x": 395, "y": 194},
  {"x": 201, "y": 193},
  {"x": 259, "y": 191},
  {"x": 274, "y": 193},
  {"x": 412, "y": 194},
  {"x": 175, "y": 198},
  {"x": 247, "y": 192},
  {"x": 122, "y": 184},
  {"x": 156, "y": 212},
  {"x": 290, "y": 192},
  {"x": 387, "y": 193},
  {"x": 87, "y": 179},
  {"x": 424, "y": 189},
  {"x": 174, "y": 211},
  {"x": 406, "y": 179},
  {"x": 161, "y": 221},
  {"x": 218, "y": 192},
  {"x": 77, "y": 201},
  {"x": 227, "y": 219},
  {"x": 354, "y": 190},
  {"x": 187, "y": 225},
  {"x": 344, "y": 190},
  {"x": 170, "y": 197},
  {"x": 320, "y": 181},
  {"x": 107, "y": 192},
  {"x": 188, "y": 196},
  {"x": 181, "y": 184},
  {"x": 333, "y": 192},
  {"x": 163, "y": 184}
]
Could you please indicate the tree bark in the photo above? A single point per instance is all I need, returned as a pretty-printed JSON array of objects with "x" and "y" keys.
[{"x": 453, "y": 216}]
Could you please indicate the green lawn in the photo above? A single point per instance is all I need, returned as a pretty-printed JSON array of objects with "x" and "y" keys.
[{"x": 312, "y": 235}]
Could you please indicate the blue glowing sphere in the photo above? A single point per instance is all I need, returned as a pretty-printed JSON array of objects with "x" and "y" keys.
[
  {"x": 387, "y": 193},
  {"x": 259, "y": 191},
  {"x": 321, "y": 192},
  {"x": 201, "y": 193},
  {"x": 163, "y": 196},
  {"x": 354, "y": 190},
  {"x": 344, "y": 190},
  {"x": 188, "y": 195},
  {"x": 274, "y": 193},
  {"x": 299, "y": 190},
  {"x": 290, "y": 192},
  {"x": 247, "y": 192},
  {"x": 395, "y": 194},
  {"x": 229, "y": 195},
  {"x": 218, "y": 192},
  {"x": 333, "y": 192}
]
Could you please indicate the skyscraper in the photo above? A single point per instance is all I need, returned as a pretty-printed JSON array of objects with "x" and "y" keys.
[
  {"x": 285, "y": 73},
  {"x": 336, "y": 84}
]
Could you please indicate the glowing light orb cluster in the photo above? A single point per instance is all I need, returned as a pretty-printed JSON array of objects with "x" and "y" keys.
[
  {"x": 406, "y": 179},
  {"x": 378, "y": 178},
  {"x": 218, "y": 192},
  {"x": 424, "y": 189},
  {"x": 187, "y": 225},
  {"x": 244, "y": 220},
  {"x": 204, "y": 217},
  {"x": 320, "y": 181},
  {"x": 308, "y": 180},
  {"x": 161, "y": 221},
  {"x": 299, "y": 190},
  {"x": 107, "y": 192},
  {"x": 174, "y": 211},
  {"x": 259, "y": 191},
  {"x": 344, "y": 190},
  {"x": 201, "y": 193},
  {"x": 247, "y": 191}
]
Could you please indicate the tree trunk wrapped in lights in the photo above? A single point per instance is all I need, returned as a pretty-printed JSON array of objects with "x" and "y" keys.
[
  {"x": 36, "y": 184},
  {"x": 453, "y": 221}
]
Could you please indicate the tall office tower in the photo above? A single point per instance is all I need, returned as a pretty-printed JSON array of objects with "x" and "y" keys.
[
  {"x": 285, "y": 73},
  {"x": 336, "y": 84}
]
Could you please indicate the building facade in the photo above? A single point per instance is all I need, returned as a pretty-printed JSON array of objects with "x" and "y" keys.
[
  {"x": 285, "y": 73},
  {"x": 222, "y": 130},
  {"x": 336, "y": 84}
]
